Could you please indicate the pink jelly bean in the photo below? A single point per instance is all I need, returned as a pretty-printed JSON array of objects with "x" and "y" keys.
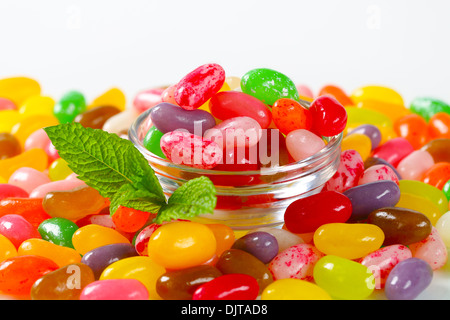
[
  {"x": 52, "y": 153},
  {"x": 141, "y": 242},
  {"x": 394, "y": 150},
  {"x": 115, "y": 289},
  {"x": 11, "y": 191},
  {"x": 17, "y": 229},
  {"x": 432, "y": 249},
  {"x": 191, "y": 150},
  {"x": 295, "y": 262},
  {"x": 304, "y": 91},
  {"x": 376, "y": 173},
  {"x": 381, "y": 261},
  {"x": 415, "y": 164},
  {"x": 60, "y": 185},
  {"x": 28, "y": 179},
  {"x": 6, "y": 104},
  {"x": 350, "y": 169},
  {"x": 302, "y": 144},
  {"x": 168, "y": 95},
  {"x": 236, "y": 132},
  {"x": 147, "y": 99},
  {"x": 38, "y": 139},
  {"x": 199, "y": 86}
]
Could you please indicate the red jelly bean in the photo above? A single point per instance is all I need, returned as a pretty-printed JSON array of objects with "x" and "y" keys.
[
  {"x": 11, "y": 191},
  {"x": 228, "y": 287},
  {"x": 199, "y": 86},
  {"x": 289, "y": 115},
  {"x": 394, "y": 150},
  {"x": 307, "y": 214},
  {"x": 329, "y": 116},
  {"x": 130, "y": 220},
  {"x": 413, "y": 128}
]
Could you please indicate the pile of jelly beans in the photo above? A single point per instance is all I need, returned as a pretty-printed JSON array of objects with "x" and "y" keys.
[{"x": 381, "y": 224}]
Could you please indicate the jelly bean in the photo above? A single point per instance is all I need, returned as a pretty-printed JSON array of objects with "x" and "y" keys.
[
  {"x": 443, "y": 227},
  {"x": 428, "y": 107},
  {"x": 74, "y": 204},
  {"x": 93, "y": 236},
  {"x": 408, "y": 279},
  {"x": 112, "y": 97},
  {"x": 394, "y": 150},
  {"x": 377, "y": 173},
  {"x": 58, "y": 231},
  {"x": 96, "y": 117},
  {"x": 37, "y": 139},
  {"x": 60, "y": 185},
  {"x": 382, "y": 261},
  {"x": 18, "y": 89},
  {"x": 445, "y": 189},
  {"x": 181, "y": 284},
  {"x": 11, "y": 191},
  {"x": 28, "y": 179},
  {"x": 168, "y": 95},
  {"x": 328, "y": 115},
  {"x": 262, "y": 245},
  {"x": 358, "y": 142},
  {"x": 351, "y": 166},
  {"x": 289, "y": 115},
  {"x": 7, "y": 248},
  {"x": 432, "y": 249},
  {"x": 37, "y": 105},
  {"x": 120, "y": 122},
  {"x": 348, "y": 240},
  {"x": 439, "y": 126},
  {"x": 34, "y": 158},
  {"x": 422, "y": 189},
  {"x": 371, "y": 196},
  {"x": 307, "y": 214},
  {"x": 343, "y": 278},
  {"x": 59, "y": 170},
  {"x": 302, "y": 144},
  {"x": 437, "y": 175},
  {"x": 29, "y": 124},
  {"x": 130, "y": 220},
  {"x": 413, "y": 166},
  {"x": 224, "y": 236},
  {"x": 238, "y": 261},
  {"x": 101, "y": 257},
  {"x": 199, "y": 85},
  {"x": 294, "y": 289},
  {"x": 421, "y": 204},
  {"x": 358, "y": 116},
  {"x": 142, "y": 238},
  {"x": 191, "y": 150},
  {"x": 30, "y": 209},
  {"x": 147, "y": 99},
  {"x": 378, "y": 93},
  {"x": 268, "y": 85},
  {"x": 285, "y": 239},
  {"x": 295, "y": 262},
  {"x": 61, "y": 255},
  {"x": 369, "y": 130},
  {"x": 65, "y": 283},
  {"x": 69, "y": 106},
  {"x": 372, "y": 161},
  {"x": 228, "y": 287},
  {"x": 9, "y": 146},
  {"x": 439, "y": 149},
  {"x": 413, "y": 128},
  {"x": 337, "y": 93},
  {"x": 143, "y": 269},
  {"x": 391, "y": 110},
  {"x": 235, "y": 133},
  {"x": 17, "y": 229},
  {"x": 18, "y": 274},
  {"x": 115, "y": 289},
  {"x": 181, "y": 244},
  {"x": 6, "y": 104},
  {"x": 401, "y": 225}
]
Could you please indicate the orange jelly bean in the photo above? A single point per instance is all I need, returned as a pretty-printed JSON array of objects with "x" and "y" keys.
[
  {"x": 34, "y": 158},
  {"x": 93, "y": 236},
  {"x": 413, "y": 128},
  {"x": 224, "y": 237},
  {"x": 337, "y": 93},
  {"x": 61, "y": 255},
  {"x": 130, "y": 220},
  {"x": 29, "y": 208},
  {"x": 289, "y": 115},
  {"x": 437, "y": 175},
  {"x": 439, "y": 125}
]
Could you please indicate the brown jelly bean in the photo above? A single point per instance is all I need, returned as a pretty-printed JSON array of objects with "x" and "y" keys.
[
  {"x": 96, "y": 117},
  {"x": 439, "y": 149},
  {"x": 9, "y": 146}
]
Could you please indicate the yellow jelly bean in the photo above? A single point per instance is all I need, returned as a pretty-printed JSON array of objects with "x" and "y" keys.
[
  {"x": 93, "y": 236},
  {"x": 113, "y": 97},
  {"x": 358, "y": 142},
  {"x": 421, "y": 204},
  {"x": 427, "y": 191},
  {"x": 9, "y": 118},
  {"x": 2, "y": 180},
  {"x": 61, "y": 255},
  {"x": 7, "y": 248},
  {"x": 35, "y": 158},
  {"x": 294, "y": 289},
  {"x": 393, "y": 111},
  {"x": 367, "y": 116},
  {"x": 29, "y": 124},
  {"x": 348, "y": 240},
  {"x": 141, "y": 268},
  {"x": 378, "y": 93},
  {"x": 37, "y": 105},
  {"x": 18, "y": 89},
  {"x": 182, "y": 244},
  {"x": 59, "y": 170}
]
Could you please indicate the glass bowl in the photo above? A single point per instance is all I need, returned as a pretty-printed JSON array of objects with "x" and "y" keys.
[{"x": 254, "y": 199}]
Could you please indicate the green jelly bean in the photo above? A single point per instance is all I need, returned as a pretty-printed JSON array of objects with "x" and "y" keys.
[
  {"x": 446, "y": 190},
  {"x": 343, "y": 278},
  {"x": 152, "y": 142},
  {"x": 268, "y": 85},
  {"x": 58, "y": 231},
  {"x": 427, "y": 107},
  {"x": 427, "y": 191},
  {"x": 71, "y": 104}
]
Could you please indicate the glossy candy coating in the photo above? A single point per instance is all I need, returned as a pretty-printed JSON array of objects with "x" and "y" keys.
[
  {"x": 427, "y": 107},
  {"x": 359, "y": 116},
  {"x": 439, "y": 126},
  {"x": 432, "y": 249},
  {"x": 437, "y": 175},
  {"x": 28, "y": 179},
  {"x": 17, "y": 229},
  {"x": 120, "y": 122},
  {"x": 228, "y": 287},
  {"x": 19, "y": 89},
  {"x": 30, "y": 209},
  {"x": 377, "y": 173},
  {"x": 115, "y": 289},
  {"x": 60, "y": 185},
  {"x": 59, "y": 170},
  {"x": 289, "y": 115},
  {"x": 29, "y": 124},
  {"x": 420, "y": 204},
  {"x": 337, "y": 93},
  {"x": 7, "y": 248},
  {"x": 302, "y": 144},
  {"x": 393, "y": 111},
  {"x": 93, "y": 236},
  {"x": 413, "y": 166},
  {"x": 328, "y": 115},
  {"x": 61, "y": 255},
  {"x": 147, "y": 99},
  {"x": 377, "y": 93},
  {"x": 370, "y": 131},
  {"x": 152, "y": 142},
  {"x": 130, "y": 220},
  {"x": 359, "y": 142},
  {"x": 413, "y": 128},
  {"x": 443, "y": 227},
  {"x": 439, "y": 149},
  {"x": 285, "y": 239},
  {"x": 113, "y": 97},
  {"x": 11, "y": 191},
  {"x": 58, "y": 231},
  {"x": 372, "y": 161},
  {"x": 9, "y": 146},
  {"x": 261, "y": 244},
  {"x": 394, "y": 150},
  {"x": 38, "y": 104},
  {"x": 96, "y": 117},
  {"x": 294, "y": 289},
  {"x": 422, "y": 189},
  {"x": 351, "y": 166},
  {"x": 224, "y": 235},
  {"x": 35, "y": 158},
  {"x": 69, "y": 106}
]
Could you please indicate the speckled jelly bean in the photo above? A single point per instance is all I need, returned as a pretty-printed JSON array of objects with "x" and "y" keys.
[
  {"x": 295, "y": 262},
  {"x": 307, "y": 214},
  {"x": 369, "y": 130},
  {"x": 17, "y": 229},
  {"x": 262, "y": 245},
  {"x": 303, "y": 144},
  {"x": 7, "y": 248},
  {"x": 437, "y": 175},
  {"x": 289, "y": 115},
  {"x": 343, "y": 278},
  {"x": 228, "y": 287},
  {"x": 285, "y": 239},
  {"x": 115, "y": 289},
  {"x": 9, "y": 146},
  {"x": 432, "y": 249},
  {"x": 443, "y": 227},
  {"x": 400, "y": 225},
  {"x": 199, "y": 86},
  {"x": 93, "y": 236},
  {"x": 142, "y": 238},
  {"x": 69, "y": 106},
  {"x": 377, "y": 93},
  {"x": 426, "y": 107},
  {"x": 358, "y": 142},
  {"x": 11, "y": 191},
  {"x": 294, "y": 289},
  {"x": 194, "y": 121},
  {"x": 439, "y": 126},
  {"x": 368, "y": 197},
  {"x": 381, "y": 261},
  {"x": 372, "y": 161},
  {"x": 329, "y": 117},
  {"x": 420, "y": 204},
  {"x": 408, "y": 279},
  {"x": 414, "y": 165},
  {"x": 413, "y": 128},
  {"x": 59, "y": 254},
  {"x": 224, "y": 236},
  {"x": 377, "y": 173},
  {"x": 351, "y": 166},
  {"x": 422, "y": 189},
  {"x": 58, "y": 231},
  {"x": 147, "y": 99},
  {"x": 30, "y": 209},
  {"x": 35, "y": 158},
  {"x": 439, "y": 149},
  {"x": 28, "y": 178}
]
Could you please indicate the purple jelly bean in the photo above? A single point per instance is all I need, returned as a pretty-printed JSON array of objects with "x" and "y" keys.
[
  {"x": 372, "y": 161},
  {"x": 371, "y": 131},
  {"x": 408, "y": 279},
  {"x": 167, "y": 117},
  {"x": 11, "y": 191},
  {"x": 260, "y": 244}
]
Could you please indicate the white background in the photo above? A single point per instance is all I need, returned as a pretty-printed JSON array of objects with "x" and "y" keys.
[{"x": 94, "y": 45}]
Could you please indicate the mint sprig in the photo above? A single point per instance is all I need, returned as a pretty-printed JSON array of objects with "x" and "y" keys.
[{"x": 118, "y": 171}]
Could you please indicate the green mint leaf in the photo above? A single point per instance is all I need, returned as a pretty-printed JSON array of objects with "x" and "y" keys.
[
  {"x": 139, "y": 199},
  {"x": 195, "y": 197}
]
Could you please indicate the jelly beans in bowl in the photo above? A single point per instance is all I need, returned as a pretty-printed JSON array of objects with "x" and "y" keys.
[{"x": 261, "y": 145}]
